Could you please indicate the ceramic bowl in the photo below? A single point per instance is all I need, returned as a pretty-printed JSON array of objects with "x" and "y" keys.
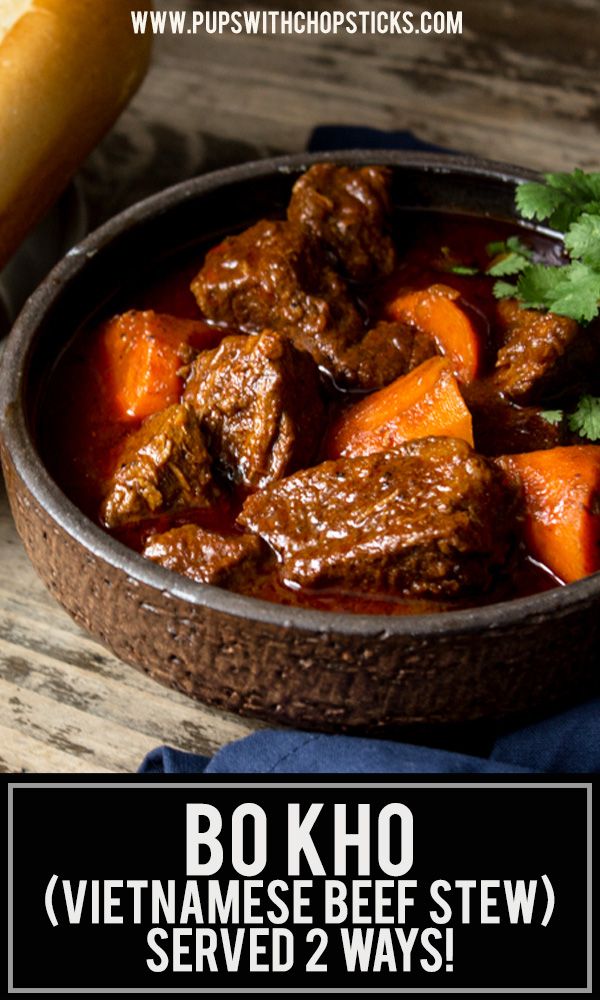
[{"x": 312, "y": 669}]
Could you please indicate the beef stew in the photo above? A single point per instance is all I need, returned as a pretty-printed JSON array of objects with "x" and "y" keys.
[{"x": 327, "y": 419}]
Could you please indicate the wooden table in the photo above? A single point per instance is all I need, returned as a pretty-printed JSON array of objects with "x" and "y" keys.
[{"x": 521, "y": 84}]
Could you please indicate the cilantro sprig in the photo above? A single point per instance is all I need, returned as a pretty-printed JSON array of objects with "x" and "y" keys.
[
  {"x": 561, "y": 200},
  {"x": 510, "y": 257},
  {"x": 553, "y": 416},
  {"x": 583, "y": 420},
  {"x": 569, "y": 203}
]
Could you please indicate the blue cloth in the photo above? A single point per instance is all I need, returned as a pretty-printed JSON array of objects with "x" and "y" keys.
[
  {"x": 567, "y": 743},
  {"x": 331, "y": 137}
]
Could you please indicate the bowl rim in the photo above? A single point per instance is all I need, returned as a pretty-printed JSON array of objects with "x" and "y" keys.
[{"x": 30, "y": 468}]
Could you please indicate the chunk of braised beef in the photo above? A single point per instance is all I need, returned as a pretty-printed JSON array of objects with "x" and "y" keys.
[
  {"x": 539, "y": 352},
  {"x": 164, "y": 466},
  {"x": 348, "y": 211},
  {"x": 433, "y": 518},
  {"x": 501, "y": 427},
  {"x": 208, "y": 556},
  {"x": 386, "y": 352},
  {"x": 274, "y": 276},
  {"x": 258, "y": 403}
]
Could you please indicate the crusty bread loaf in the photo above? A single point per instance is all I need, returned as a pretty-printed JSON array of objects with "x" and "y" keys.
[{"x": 67, "y": 69}]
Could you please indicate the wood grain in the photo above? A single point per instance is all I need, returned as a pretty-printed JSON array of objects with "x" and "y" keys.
[
  {"x": 66, "y": 703},
  {"x": 521, "y": 85}
]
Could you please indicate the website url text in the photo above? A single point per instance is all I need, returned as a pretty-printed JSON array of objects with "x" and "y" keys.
[{"x": 312, "y": 22}]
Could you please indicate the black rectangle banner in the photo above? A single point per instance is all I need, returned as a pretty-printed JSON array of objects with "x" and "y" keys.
[{"x": 261, "y": 885}]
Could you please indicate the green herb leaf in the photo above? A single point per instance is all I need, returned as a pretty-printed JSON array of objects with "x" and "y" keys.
[
  {"x": 537, "y": 201},
  {"x": 573, "y": 290},
  {"x": 517, "y": 246},
  {"x": 552, "y": 416},
  {"x": 493, "y": 249},
  {"x": 577, "y": 292},
  {"x": 570, "y": 203},
  {"x": 561, "y": 200},
  {"x": 511, "y": 263},
  {"x": 577, "y": 185},
  {"x": 536, "y": 286},
  {"x": 512, "y": 245},
  {"x": 504, "y": 290},
  {"x": 462, "y": 269},
  {"x": 513, "y": 257},
  {"x": 455, "y": 268},
  {"x": 583, "y": 240},
  {"x": 585, "y": 420}
]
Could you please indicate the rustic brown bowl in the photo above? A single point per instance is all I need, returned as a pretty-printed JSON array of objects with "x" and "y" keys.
[{"x": 308, "y": 668}]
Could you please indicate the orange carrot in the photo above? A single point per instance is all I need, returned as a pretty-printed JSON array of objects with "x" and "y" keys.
[
  {"x": 561, "y": 489},
  {"x": 425, "y": 402},
  {"x": 142, "y": 354},
  {"x": 437, "y": 311}
]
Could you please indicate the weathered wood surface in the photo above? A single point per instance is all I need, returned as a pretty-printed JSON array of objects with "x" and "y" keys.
[{"x": 521, "y": 84}]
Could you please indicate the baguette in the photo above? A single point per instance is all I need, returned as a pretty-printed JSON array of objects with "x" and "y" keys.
[{"x": 67, "y": 69}]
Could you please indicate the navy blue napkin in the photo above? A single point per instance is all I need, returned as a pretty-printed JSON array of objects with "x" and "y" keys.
[
  {"x": 567, "y": 743},
  {"x": 326, "y": 138}
]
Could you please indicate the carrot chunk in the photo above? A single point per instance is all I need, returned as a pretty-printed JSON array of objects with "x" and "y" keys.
[
  {"x": 437, "y": 311},
  {"x": 561, "y": 488},
  {"x": 426, "y": 402},
  {"x": 142, "y": 355}
]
